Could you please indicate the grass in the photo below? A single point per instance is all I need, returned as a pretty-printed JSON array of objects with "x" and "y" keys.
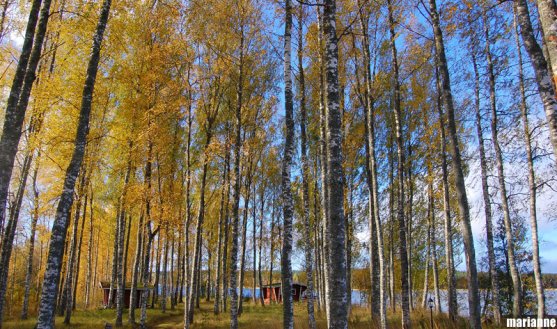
[
  {"x": 94, "y": 319},
  {"x": 254, "y": 317}
]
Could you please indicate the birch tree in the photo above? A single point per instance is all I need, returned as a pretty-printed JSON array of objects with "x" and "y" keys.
[
  {"x": 486, "y": 197},
  {"x": 544, "y": 81},
  {"x": 547, "y": 10},
  {"x": 287, "y": 202},
  {"x": 305, "y": 171},
  {"x": 532, "y": 185},
  {"x": 376, "y": 232},
  {"x": 16, "y": 107},
  {"x": 403, "y": 253},
  {"x": 58, "y": 237},
  {"x": 457, "y": 168},
  {"x": 336, "y": 267},
  {"x": 515, "y": 275}
]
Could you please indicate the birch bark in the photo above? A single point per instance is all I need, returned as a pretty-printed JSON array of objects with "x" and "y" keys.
[
  {"x": 544, "y": 78},
  {"x": 60, "y": 226},
  {"x": 337, "y": 296},
  {"x": 237, "y": 187},
  {"x": 486, "y": 199},
  {"x": 287, "y": 201},
  {"x": 532, "y": 197},
  {"x": 305, "y": 173},
  {"x": 16, "y": 107},
  {"x": 457, "y": 167},
  {"x": 402, "y": 246},
  {"x": 34, "y": 220},
  {"x": 515, "y": 275}
]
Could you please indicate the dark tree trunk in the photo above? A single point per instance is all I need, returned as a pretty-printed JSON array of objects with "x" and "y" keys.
[
  {"x": 338, "y": 301},
  {"x": 13, "y": 121},
  {"x": 179, "y": 265},
  {"x": 120, "y": 238},
  {"x": 165, "y": 271},
  {"x": 272, "y": 251},
  {"x": 540, "y": 296},
  {"x": 11, "y": 132},
  {"x": 173, "y": 267},
  {"x": 157, "y": 266},
  {"x": 323, "y": 150},
  {"x": 448, "y": 228},
  {"x": 209, "y": 264},
  {"x": 247, "y": 200},
  {"x": 515, "y": 275},
  {"x": 254, "y": 245},
  {"x": 486, "y": 199},
  {"x": 547, "y": 10},
  {"x": 114, "y": 275},
  {"x": 221, "y": 232},
  {"x": 305, "y": 175},
  {"x": 9, "y": 234},
  {"x": 392, "y": 295},
  {"x": 434, "y": 250},
  {"x": 136, "y": 270},
  {"x": 188, "y": 210},
  {"x": 61, "y": 301},
  {"x": 146, "y": 271},
  {"x": 261, "y": 225},
  {"x": 287, "y": 201},
  {"x": 89, "y": 252},
  {"x": 79, "y": 245},
  {"x": 5, "y": 6},
  {"x": 127, "y": 248},
  {"x": 428, "y": 250},
  {"x": 60, "y": 226},
  {"x": 72, "y": 256},
  {"x": 349, "y": 232},
  {"x": 316, "y": 245},
  {"x": 34, "y": 219},
  {"x": 409, "y": 207},
  {"x": 194, "y": 280},
  {"x": 226, "y": 237},
  {"x": 379, "y": 307},
  {"x": 121, "y": 219},
  {"x": 33, "y": 129},
  {"x": 403, "y": 253},
  {"x": 457, "y": 167},
  {"x": 237, "y": 187},
  {"x": 544, "y": 79}
]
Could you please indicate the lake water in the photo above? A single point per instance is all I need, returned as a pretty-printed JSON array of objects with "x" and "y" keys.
[{"x": 360, "y": 298}]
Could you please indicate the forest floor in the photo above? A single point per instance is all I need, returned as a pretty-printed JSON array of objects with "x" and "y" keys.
[{"x": 253, "y": 317}]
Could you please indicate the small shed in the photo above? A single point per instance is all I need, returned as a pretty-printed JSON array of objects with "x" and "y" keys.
[
  {"x": 105, "y": 286},
  {"x": 273, "y": 292}
]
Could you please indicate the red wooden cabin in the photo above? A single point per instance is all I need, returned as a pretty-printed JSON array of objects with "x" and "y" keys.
[
  {"x": 105, "y": 286},
  {"x": 273, "y": 292}
]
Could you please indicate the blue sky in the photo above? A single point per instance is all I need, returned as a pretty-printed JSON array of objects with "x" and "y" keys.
[{"x": 547, "y": 225}]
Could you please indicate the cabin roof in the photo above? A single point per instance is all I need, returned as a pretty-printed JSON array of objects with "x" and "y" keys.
[{"x": 128, "y": 286}]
